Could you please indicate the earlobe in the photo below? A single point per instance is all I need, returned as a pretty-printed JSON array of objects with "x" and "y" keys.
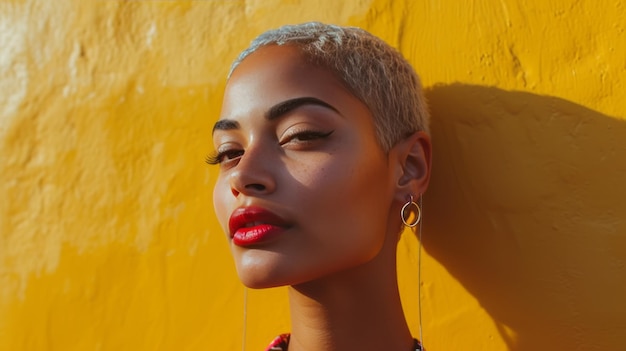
[{"x": 414, "y": 164}]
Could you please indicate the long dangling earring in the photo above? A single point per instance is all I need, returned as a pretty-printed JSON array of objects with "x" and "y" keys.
[
  {"x": 245, "y": 319},
  {"x": 419, "y": 271},
  {"x": 405, "y": 214}
]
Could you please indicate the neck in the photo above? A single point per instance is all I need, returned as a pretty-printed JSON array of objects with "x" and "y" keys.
[{"x": 358, "y": 309}]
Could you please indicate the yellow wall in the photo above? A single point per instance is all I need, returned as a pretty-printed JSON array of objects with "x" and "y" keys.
[{"x": 107, "y": 236}]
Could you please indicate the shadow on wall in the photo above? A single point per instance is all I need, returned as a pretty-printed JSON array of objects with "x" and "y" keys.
[{"x": 527, "y": 210}]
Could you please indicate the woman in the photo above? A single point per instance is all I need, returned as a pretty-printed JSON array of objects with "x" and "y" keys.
[{"x": 323, "y": 152}]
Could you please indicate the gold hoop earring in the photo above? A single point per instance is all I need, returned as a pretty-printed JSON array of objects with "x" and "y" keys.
[{"x": 405, "y": 213}]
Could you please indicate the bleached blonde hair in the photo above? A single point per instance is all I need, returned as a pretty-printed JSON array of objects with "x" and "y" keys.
[{"x": 376, "y": 73}]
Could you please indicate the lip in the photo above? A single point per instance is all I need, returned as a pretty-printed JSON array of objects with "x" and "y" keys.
[{"x": 254, "y": 226}]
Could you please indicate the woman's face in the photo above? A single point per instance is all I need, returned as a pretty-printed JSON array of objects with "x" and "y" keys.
[{"x": 304, "y": 189}]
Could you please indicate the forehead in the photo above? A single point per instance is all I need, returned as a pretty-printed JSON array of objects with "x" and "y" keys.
[{"x": 277, "y": 73}]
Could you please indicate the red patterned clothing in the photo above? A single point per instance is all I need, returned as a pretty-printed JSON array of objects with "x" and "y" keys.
[
  {"x": 279, "y": 344},
  {"x": 282, "y": 342}
]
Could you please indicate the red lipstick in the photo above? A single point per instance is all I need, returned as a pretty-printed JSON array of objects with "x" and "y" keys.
[{"x": 254, "y": 225}]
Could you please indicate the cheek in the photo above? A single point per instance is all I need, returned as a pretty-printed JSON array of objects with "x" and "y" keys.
[
  {"x": 347, "y": 199},
  {"x": 220, "y": 202}
]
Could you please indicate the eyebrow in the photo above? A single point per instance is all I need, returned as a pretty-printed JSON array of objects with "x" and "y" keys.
[
  {"x": 225, "y": 124},
  {"x": 287, "y": 106},
  {"x": 277, "y": 111}
]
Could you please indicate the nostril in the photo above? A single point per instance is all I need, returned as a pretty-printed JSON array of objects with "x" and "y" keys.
[{"x": 256, "y": 186}]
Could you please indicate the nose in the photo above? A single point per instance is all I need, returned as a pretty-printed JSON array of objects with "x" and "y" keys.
[{"x": 254, "y": 174}]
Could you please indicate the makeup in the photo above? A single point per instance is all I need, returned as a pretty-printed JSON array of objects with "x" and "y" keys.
[{"x": 254, "y": 226}]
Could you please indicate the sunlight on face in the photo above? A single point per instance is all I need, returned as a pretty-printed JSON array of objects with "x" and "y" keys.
[{"x": 304, "y": 188}]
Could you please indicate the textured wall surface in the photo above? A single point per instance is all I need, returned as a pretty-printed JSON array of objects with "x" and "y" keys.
[{"x": 107, "y": 236}]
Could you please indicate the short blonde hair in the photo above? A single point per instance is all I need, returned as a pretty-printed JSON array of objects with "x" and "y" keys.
[{"x": 376, "y": 73}]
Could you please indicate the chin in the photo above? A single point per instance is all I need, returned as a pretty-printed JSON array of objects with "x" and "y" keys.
[
  {"x": 256, "y": 282},
  {"x": 258, "y": 269},
  {"x": 260, "y": 276},
  {"x": 257, "y": 285}
]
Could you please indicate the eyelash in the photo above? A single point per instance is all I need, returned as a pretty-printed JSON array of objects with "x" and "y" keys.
[
  {"x": 305, "y": 135},
  {"x": 218, "y": 157}
]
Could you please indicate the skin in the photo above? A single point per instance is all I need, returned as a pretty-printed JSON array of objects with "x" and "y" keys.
[{"x": 293, "y": 140}]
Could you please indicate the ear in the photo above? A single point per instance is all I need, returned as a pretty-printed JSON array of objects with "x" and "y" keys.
[{"x": 413, "y": 165}]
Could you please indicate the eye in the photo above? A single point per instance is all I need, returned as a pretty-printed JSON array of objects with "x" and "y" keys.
[
  {"x": 304, "y": 136},
  {"x": 224, "y": 156}
]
